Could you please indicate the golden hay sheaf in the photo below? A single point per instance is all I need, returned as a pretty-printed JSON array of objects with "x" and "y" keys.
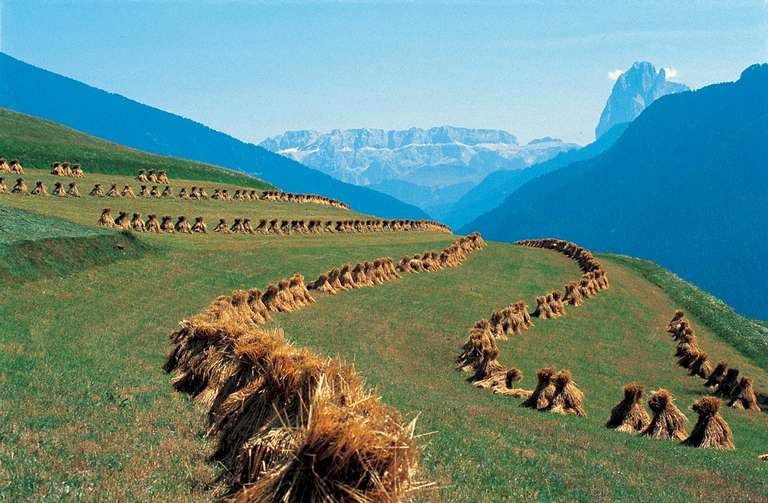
[
  {"x": 288, "y": 423},
  {"x": 629, "y": 415},
  {"x": 723, "y": 381},
  {"x": 668, "y": 423},
  {"x": 711, "y": 431}
]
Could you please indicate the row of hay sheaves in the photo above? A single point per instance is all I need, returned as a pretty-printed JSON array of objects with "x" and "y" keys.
[
  {"x": 557, "y": 392},
  {"x": 194, "y": 193},
  {"x": 264, "y": 225},
  {"x": 290, "y": 425}
]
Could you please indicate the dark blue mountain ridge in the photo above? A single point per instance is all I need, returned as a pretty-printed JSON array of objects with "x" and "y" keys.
[
  {"x": 495, "y": 187},
  {"x": 685, "y": 186},
  {"x": 34, "y": 91}
]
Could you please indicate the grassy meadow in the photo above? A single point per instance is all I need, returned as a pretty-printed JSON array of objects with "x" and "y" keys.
[{"x": 86, "y": 412}]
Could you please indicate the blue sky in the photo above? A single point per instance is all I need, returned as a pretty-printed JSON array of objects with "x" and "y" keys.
[{"x": 254, "y": 69}]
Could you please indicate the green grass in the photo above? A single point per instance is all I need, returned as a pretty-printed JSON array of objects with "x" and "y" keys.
[
  {"x": 38, "y": 143},
  {"x": 87, "y": 413},
  {"x": 748, "y": 336},
  {"x": 33, "y": 246}
]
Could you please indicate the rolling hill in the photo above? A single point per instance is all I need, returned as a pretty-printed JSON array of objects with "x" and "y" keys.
[
  {"x": 684, "y": 186},
  {"x": 31, "y": 90},
  {"x": 89, "y": 414}
]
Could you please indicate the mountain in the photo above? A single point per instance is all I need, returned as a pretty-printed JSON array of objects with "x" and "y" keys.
[
  {"x": 684, "y": 186},
  {"x": 633, "y": 91},
  {"x": 34, "y": 91},
  {"x": 495, "y": 187},
  {"x": 428, "y": 167}
]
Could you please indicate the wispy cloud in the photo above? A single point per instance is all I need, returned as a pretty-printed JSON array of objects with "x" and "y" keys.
[{"x": 614, "y": 74}]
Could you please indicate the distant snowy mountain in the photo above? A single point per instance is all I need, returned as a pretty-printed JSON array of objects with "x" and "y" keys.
[
  {"x": 426, "y": 167},
  {"x": 634, "y": 90}
]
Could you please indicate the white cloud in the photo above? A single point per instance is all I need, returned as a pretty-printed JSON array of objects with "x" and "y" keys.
[
  {"x": 671, "y": 72},
  {"x": 615, "y": 74}
]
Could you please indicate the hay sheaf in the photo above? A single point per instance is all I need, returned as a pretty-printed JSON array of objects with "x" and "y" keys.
[
  {"x": 629, "y": 415},
  {"x": 711, "y": 430},
  {"x": 668, "y": 423},
  {"x": 288, "y": 424}
]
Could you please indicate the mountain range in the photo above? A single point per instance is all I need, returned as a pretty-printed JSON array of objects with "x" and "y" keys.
[
  {"x": 426, "y": 167},
  {"x": 633, "y": 91},
  {"x": 34, "y": 91},
  {"x": 684, "y": 186}
]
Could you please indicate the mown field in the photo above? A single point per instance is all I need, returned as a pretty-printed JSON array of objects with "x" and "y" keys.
[{"x": 87, "y": 412}]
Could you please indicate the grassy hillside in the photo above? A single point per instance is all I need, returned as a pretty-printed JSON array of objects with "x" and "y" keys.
[
  {"x": 33, "y": 246},
  {"x": 87, "y": 412},
  {"x": 38, "y": 143}
]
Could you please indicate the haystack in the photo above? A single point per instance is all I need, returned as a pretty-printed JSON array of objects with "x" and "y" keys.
[
  {"x": 162, "y": 177},
  {"x": 58, "y": 190},
  {"x": 743, "y": 395},
  {"x": 701, "y": 366},
  {"x": 668, "y": 423},
  {"x": 167, "y": 224},
  {"x": 359, "y": 277},
  {"x": 152, "y": 225},
  {"x": 345, "y": 277},
  {"x": 334, "y": 279},
  {"x": 113, "y": 192},
  {"x": 66, "y": 168},
  {"x": 556, "y": 304},
  {"x": 182, "y": 225},
  {"x": 717, "y": 375},
  {"x": 127, "y": 192},
  {"x": 728, "y": 384},
  {"x": 122, "y": 221},
  {"x": 542, "y": 395},
  {"x": 40, "y": 189},
  {"x": 16, "y": 167},
  {"x": 489, "y": 372},
  {"x": 4, "y": 167},
  {"x": 144, "y": 191},
  {"x": 711, "y": 431},
  {"x": 363, "y": 453},
  {"x": 322, "y": 284},
  {"x": 222, "y": 227},
  {"x": 152, "y": 177},
  {"x": 199, "y": 226},
  {"x": 247, "y": 227},
  {"x": 142, "y": 177},
  {"x": 572, "y": 295},
  {"x": 543, "y": 309},
  {"x": 568, "y": 398},
  {"x": 106, "y": 220},
  {"x": 20, "y": 187},
  {"x": 299, "y": 291},
  {"x": 203, "y": 193},
  {"x": 507, "y": 387},
  {"x": 97, "y": 191},
  {"x": 480, "y": 336},
  {"x": 155, "y": 192},
  {"x": 77, "y": 171},
  {"x": 629, "y": 415},
  {"x": 3, "y": 186},
  {"x": 72, "y": 190},
  {"x": 260, "y": 311},
  {"x": 137, "y": 224},
  {"x": 237, "y": 227},
  {"x": 678, "y": 317},
  {"x": 167, "y": 192}
]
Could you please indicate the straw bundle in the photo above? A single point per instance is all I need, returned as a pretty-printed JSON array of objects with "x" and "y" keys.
[{"x": 629, "y": 415}]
